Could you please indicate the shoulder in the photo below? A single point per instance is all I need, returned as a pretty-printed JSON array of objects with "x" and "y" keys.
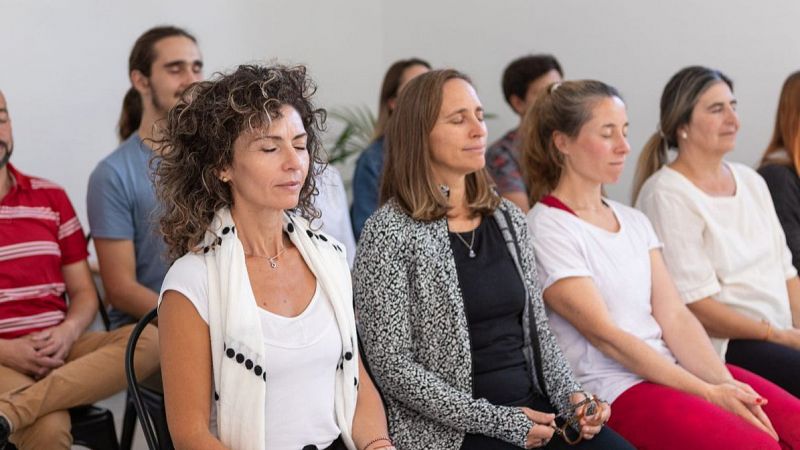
[
  {"x": 780, "y": 176},
  {"x": 778, "y": 172},
  {"x": 389, "y": 220},
  {"x": 115, "y": 163},
  {"x": 516, "y": 214},
  {"x": 188, "y": 276},
  {"x": 44, "y": 188},
  {"x": 630, "y": 215},
  {"x": 748, "y": 176},
  {"x": 666, "y": 183},
  {"x": 322, "y": 241},
  {"x": 190, "y": 263},
  {"x": 503, "y": 145},
  {"x": 372, "y": 154},
  {"x": 743, "y": 171}
]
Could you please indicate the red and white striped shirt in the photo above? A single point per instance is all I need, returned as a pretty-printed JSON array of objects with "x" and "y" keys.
[{"x": 39, "y": 233}]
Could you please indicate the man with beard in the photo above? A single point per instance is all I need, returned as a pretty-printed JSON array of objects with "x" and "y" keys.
[
  {"x": 121, "y": 200},
  {"x": 48, "y": 363}
]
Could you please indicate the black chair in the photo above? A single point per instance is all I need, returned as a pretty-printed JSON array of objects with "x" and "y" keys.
[
  {"x": 129, "y": 418},
  {"x": 149, "y": 404}
]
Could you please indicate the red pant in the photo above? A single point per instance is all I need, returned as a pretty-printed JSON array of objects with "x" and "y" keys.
[{"x": 653, "y": 416}]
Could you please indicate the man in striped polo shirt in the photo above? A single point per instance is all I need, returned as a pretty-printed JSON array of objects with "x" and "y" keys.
[{"x": 48, "y": 363}]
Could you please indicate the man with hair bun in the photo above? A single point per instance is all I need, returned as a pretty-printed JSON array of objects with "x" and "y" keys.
[{"x": 121, "y": 202}]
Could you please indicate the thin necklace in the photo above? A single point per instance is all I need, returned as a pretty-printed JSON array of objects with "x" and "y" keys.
[
  {"x": 273, "y": 260},
  {"x": 471, "y": 241}
]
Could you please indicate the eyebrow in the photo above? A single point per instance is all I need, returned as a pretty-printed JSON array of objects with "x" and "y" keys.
[
  {"x": 3, "y": 110},
  {"x": 178, "y": 63},
  {"x": 732, "y": 102},
  {"x": 612, "y": 125},
  {"x": 280, "y": 138},
  {"x": 464, "y": 110}
]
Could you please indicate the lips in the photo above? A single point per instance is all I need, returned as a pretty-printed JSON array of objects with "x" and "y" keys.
[
  {"x": 291, "y": 185},
  {"x": 475, "y": 148}
]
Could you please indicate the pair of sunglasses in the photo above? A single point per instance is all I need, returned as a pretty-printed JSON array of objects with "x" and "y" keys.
[{"x": 590, "y": 408}]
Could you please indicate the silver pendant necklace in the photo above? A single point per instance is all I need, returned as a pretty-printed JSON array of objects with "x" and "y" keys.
[
  {"x": 468, "y": 244},
  {"x": 273, "y": 260}
]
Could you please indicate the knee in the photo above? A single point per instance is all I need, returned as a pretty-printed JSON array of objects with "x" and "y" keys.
[{"x": 52, "y": 431}]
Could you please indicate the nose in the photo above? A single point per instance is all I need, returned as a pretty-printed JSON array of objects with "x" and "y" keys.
[
  {"x": 292, "y": 159},
  {"x": 732, "y": 117},
  {"x": 478, "y": 128},
  {"x": 623, "y": 146}
]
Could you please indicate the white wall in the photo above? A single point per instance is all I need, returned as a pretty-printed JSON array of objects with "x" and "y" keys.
[{"x": 64, "y": 63}]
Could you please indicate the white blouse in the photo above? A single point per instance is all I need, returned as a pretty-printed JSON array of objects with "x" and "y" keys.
[
  {"x": 731, "y": 249},
  {"x": 303, "y": 353}
]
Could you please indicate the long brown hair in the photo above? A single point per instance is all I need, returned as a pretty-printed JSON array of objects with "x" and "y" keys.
[
  {"x": 198, "y": 144},
  {"x": 786, "y": 136},
  {"x": 389, "y": 91},
  {"x": 407, "y": 173},
  {"x": 142, "y": 56},
  {"x": 677, "y": 102},
  {"x": 564, "y": 107}
]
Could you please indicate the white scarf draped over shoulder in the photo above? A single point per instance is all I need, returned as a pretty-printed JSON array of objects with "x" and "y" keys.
[{"x": 237, "y": 345}]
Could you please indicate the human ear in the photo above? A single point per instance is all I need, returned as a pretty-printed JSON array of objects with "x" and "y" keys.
[
  {"x": 139, "y": 81},
  {"x": 561, "y": 142},
  {"x": 519, "y": 105}
]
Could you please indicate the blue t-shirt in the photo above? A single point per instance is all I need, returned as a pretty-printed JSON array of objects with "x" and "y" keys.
[{"x": 121, "y": 204}]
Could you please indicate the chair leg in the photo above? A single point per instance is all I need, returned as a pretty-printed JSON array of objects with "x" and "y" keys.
[{"x": 128, "y": 424}]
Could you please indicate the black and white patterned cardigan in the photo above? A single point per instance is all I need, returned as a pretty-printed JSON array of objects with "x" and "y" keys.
[{"x": 412, "y": 323}]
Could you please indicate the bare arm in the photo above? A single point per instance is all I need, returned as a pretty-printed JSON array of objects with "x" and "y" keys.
[
  {"x": 186, "y": 371},
  {"x": 682, "y": 332},
  {"x": 723, "y": 321},
  {"x": 56, "y": 342},
  {"x": 793, "y": 286},
  {"x": 520, "y": 199},
  {"x": 117, "y": 260},
  {"x": 369, "y": 422},
  {"x": 578, "y": 301}
]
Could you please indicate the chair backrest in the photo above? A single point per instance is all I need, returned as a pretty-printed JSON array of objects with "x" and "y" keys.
[{"x": 145, "y": 401}]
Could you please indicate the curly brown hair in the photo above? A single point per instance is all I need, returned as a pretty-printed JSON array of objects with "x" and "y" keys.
[{"x": 198, "y": 144}]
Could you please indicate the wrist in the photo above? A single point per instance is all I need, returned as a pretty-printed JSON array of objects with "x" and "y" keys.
[
  {"x": 72, "y": 328},
  {"x": 776, "y": 336},
  {"x": 379, "y": 443}
]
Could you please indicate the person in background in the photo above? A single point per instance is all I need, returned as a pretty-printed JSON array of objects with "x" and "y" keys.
[
  {"x": 523, "y": 80},
  {"x": 48, "y": 361},
  {"x": 369, "y": 166},
  {"x": 613, "y": 306},
  {"x": 723, "y": 242},
  {"x": 781, "y": 161},
  {"x": 331, "y": 202},
  {"x": 120, "y": 200}
]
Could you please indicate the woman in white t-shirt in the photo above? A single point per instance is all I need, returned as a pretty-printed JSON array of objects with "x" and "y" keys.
[
  {"x": 612, "y": 304},
  {"x": 257, "y": 334},
  {"x": 724, "y": 244}
]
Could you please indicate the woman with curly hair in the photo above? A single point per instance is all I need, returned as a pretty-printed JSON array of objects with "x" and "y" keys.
[{"x": 258, "y": 339}]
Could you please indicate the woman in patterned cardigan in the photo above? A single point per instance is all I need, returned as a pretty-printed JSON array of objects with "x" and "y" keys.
[{"x": 451, "y": 316}]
